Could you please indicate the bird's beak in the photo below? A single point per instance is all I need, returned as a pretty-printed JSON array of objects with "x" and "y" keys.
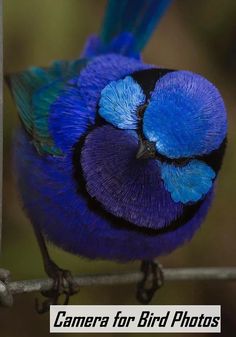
[{"x": 143, "y": 151}]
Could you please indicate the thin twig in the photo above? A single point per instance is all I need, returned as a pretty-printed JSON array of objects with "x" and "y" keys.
[{"x": 8, "y": 289}]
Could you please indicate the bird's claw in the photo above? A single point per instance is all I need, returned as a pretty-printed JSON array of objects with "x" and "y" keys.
[
  {"x": 63, "y": 284},
  {"x": 153, "y": 279}
]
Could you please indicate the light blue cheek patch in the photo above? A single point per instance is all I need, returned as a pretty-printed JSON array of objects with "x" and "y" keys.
[
  {"x": 119, "y": 102},
  {"x": 188, "y": 183}
]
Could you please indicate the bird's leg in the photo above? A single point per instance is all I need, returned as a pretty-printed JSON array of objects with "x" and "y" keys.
[
  {"x": 152, "y": 280},
  {"x": 62, "y": 279}
]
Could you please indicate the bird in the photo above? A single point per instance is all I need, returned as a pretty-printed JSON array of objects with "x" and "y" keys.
[{"x": 116, "y": 159}]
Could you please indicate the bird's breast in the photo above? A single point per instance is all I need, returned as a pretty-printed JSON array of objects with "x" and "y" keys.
[{"x": 128, "y": 188}]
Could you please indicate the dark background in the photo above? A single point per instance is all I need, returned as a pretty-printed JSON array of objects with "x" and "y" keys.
[{"x": 194, "y": 35}]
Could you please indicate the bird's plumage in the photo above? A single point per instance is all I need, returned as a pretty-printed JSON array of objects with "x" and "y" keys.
[
  {"x": 134, "y": 20},
  {"x": 34, "y": 90},
  {"x": 81, "y": 180}
]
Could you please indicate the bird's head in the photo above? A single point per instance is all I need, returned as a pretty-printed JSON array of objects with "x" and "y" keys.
[{"x": 160, "y": 145}]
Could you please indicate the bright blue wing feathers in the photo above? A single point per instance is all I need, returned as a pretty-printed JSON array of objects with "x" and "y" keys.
[{"x": 135, "y": 17}]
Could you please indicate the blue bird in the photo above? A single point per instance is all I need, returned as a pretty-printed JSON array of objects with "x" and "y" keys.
[{"x": 115, "y": 158}]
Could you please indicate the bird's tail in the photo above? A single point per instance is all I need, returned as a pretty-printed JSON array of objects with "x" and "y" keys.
[
  {"x": 136, "y": 17},
  {"x": 127, "y": 26}
]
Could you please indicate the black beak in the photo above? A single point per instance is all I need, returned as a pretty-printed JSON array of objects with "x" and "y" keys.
[{"x": 143, "y": 151}]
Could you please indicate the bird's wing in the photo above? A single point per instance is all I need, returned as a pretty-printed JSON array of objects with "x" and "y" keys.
[
  {"x": 135, "y": 17},
  {"x": 34, "y": 90}
]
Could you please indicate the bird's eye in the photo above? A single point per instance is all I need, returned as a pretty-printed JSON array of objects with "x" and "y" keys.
[
  {"x": 140, "y": 110},
  {"x": 186, "y": 116},
  {"x": 119, "y": 103}
]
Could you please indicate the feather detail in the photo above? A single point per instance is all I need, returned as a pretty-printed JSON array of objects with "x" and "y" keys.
[
  {"x": 126, "y": 187},
  {"x": 188, "y": 183},
  {"x": 123, "y": 44},
  {"x": 136, "y": 17},
  {"x": 119, "y": 102},
  {"x": 34, "y": 90},
  {"x": 55, "y": 205},
  {"x": 186, "y": 116}
]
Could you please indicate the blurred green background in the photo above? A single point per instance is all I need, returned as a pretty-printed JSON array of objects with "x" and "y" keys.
[{"x": 194, "y": 35}]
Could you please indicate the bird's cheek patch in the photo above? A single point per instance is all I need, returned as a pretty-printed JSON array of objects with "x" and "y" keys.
[
  {"x": 119, "y": 103},
  {"x": 188, "y": 183},
  {"x": 186, "y": 116}
]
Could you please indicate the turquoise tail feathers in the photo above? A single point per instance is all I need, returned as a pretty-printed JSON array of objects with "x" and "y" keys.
[{"x": 138, "y": 18}]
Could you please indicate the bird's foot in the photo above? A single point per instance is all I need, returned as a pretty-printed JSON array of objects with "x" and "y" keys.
[
  {"x": 63, "y": 284},
  {"x": 153, "y": 279}
]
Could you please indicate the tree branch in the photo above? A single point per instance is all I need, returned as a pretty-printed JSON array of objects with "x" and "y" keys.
[{"x": 7, "y": 289}]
